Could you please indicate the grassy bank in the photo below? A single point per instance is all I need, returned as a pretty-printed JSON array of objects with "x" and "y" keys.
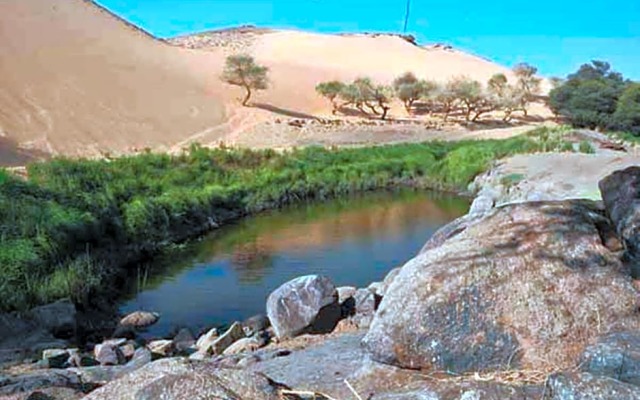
[{"x": 74, "y": 223}]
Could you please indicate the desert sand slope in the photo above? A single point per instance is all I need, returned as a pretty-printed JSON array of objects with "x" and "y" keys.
[
  {"x": 76, "y": 80},
  {"x": 298, "y": 61}
]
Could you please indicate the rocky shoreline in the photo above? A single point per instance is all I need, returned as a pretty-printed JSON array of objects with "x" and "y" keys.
[{"x": 526, "y": 299}]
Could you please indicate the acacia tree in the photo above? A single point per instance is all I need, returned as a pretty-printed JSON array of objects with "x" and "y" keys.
[
  {"x": 408, "y": 89},
  {"x": 528, "y": 83},
  {"x": 383, "y": 95},
  {"x": 331, "y": 91},
  {"x": 446, "y": 98},
  {"x": 242, "y": 70},
  {"x": 472, "y": 97},
  {"x": 505, "y": 96}
]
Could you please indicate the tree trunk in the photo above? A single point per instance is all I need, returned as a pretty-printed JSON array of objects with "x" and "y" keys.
[
  {"x": 247, "y": 96},
  {"x": 334, "y": 105},
  {"x": 372, "y": 108},
  {"x": 407, "y": 106},
  {"x": 385, "y": 110},
  {"x": 467, "y": 116}
]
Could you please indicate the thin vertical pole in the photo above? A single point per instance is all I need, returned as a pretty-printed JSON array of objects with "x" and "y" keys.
[{"x": 406, "y": 16}]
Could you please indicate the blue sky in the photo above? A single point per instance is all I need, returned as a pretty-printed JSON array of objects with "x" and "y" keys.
[{"x": 555, "y": 35}]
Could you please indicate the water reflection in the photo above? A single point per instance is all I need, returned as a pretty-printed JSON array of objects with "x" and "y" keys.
[{"x": 228, "y": 275}]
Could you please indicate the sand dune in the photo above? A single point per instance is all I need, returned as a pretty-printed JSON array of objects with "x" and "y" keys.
[{"x": 76, "y": 80}]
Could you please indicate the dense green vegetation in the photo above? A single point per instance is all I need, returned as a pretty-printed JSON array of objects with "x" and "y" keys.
[
  {"x": 75, "y": 223},
  {"x": 596, "y": 97}
]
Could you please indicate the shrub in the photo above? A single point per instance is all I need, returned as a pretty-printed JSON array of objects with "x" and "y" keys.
[{"x": 627, "y": 114}]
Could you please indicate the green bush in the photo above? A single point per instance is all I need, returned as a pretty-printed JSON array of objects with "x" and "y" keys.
[
  {"x": 589, "y": 97},
  {"x": 586, "y": 147},
  {"x": 627, "y": 115}
]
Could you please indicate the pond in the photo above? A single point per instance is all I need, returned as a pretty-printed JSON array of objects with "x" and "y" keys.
[{"x": 228, "y": 274}]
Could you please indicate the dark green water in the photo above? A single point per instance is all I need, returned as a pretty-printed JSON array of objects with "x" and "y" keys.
[{"x": 228, "y": 275}]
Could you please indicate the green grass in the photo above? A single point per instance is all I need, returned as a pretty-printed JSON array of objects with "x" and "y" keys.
[
  {"x": 75, "y": 224},
  {"x": 626, "y": 137},
  {"x": 586, "y": 147}
]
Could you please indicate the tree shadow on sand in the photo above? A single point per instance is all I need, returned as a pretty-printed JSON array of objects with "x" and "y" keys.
[{"x": 283, "y": 111}]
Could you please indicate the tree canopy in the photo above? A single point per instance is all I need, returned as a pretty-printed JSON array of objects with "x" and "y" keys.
[
  {"x": 589, "y": 97},
  {"x": 242, "y": 70}
]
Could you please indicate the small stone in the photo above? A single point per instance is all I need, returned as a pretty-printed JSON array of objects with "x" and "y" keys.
[
  {"x": 205, "y": 340},
  {"x": 55, "y": 358},
  {"x": 163, "y": 348},
  {"x": 139, "y": 319},
  {"x": 184, "y": 340},
  {"x": 128, "y": 349},
  {"x": 345, "y": 292},
  {"x": 115, "y": 342},
  {"x": 255, "y": 324},
  {"x": 108, "y": 354},
  {"x": 233, "y": 334},
  {"x": 244, "y": 345},
  {"x": 248, "y": 361}
]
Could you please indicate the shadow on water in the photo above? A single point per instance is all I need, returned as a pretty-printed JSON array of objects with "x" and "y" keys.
[{"x": 228, "y": 274}]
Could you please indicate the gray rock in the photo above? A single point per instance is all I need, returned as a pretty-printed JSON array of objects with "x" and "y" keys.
[
  {"x": 99, "y": 375},
  {"x": 184, "y": 340},
  {"x": 220, "y": 344},
  {"x": 454, "y": 307},
  {"x": 244, "y": 345},
  {"x": 162, "y": 348},
  {"x": 345, "y": 293},
  {"x": 255, "y": 324},
  {"x": 39, "y": 380},
  {"x": 584, "y": 386},
  {"x": 621, "y": 196},
  {"x": 139, "y": 319},
  {"x": 59, "y": 318},
  {"x": 128, "y": 349},
  {"x": 388, "y": 279},
  {"x": 180, "y": 379},
  {"x": 56, "y": 358},
  {"x": 108, "y": 354},
  {"x": 205, "y": 341},
  {"x": 305, "y": 304},
  {"x": 375, "y": 287},
  {"x": 616, "y": 355}
]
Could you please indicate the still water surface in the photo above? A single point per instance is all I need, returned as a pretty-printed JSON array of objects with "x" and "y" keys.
[{"x": 228, "y": 275}]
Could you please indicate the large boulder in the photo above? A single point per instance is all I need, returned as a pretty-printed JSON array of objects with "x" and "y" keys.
[
  {"x": 621, "y": 196},
  {"x": 616, "y": 355},
  {"x": 59, "y": 318},
  {"x": 179, "y": 379},
  {"x": 584, "y": 386},
  {"x": 305, "y": 304},
  {"x": 529, "y": 285}
]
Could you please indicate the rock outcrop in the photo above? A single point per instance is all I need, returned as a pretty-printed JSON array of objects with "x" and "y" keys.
[
  {"x": 584, "y": 386},
  {"x": 616, "y": 356},
  {"x": 502, "y": 292},
  {"x": 621, "y": 196},
  {"x": 180, "y": 379},
  {"x": 305, "y": 304}
]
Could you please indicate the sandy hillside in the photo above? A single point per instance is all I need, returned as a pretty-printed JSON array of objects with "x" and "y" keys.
[{"x": 76, "y": 80}]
